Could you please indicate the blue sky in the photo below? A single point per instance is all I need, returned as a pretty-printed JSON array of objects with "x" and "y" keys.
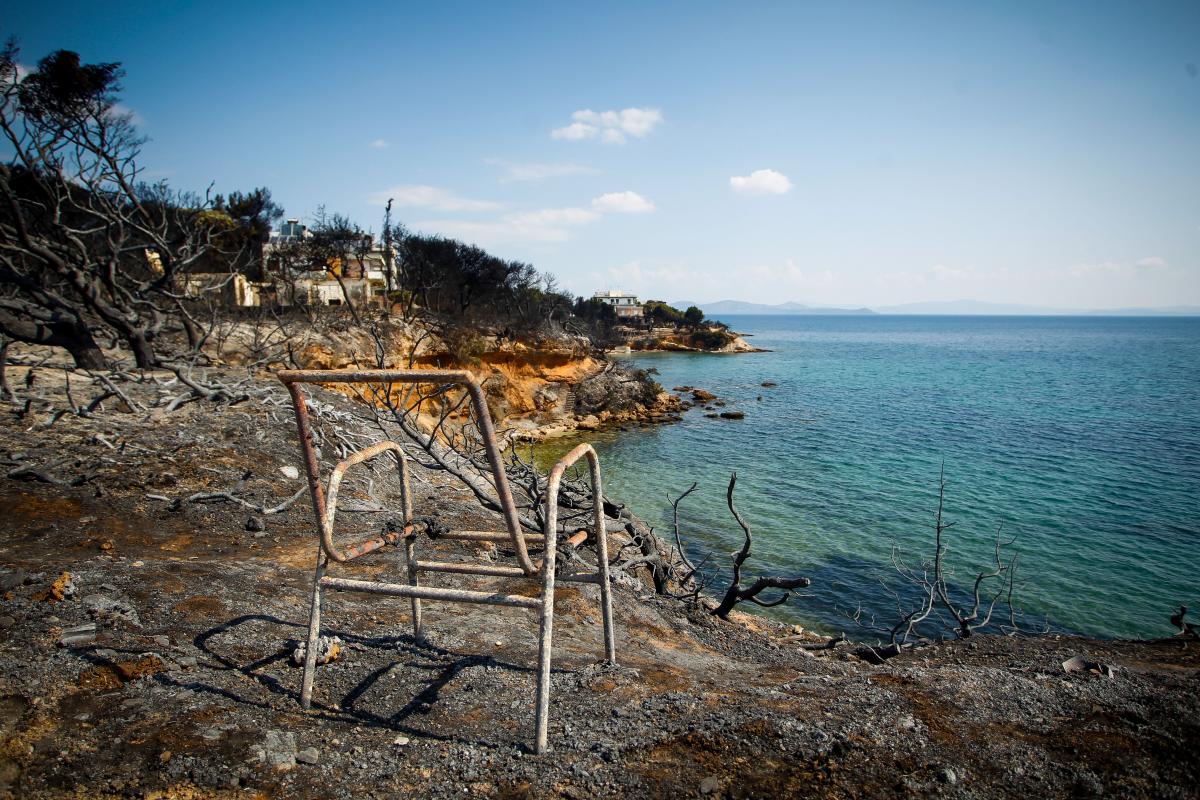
[{"x": 832, "y": 153}]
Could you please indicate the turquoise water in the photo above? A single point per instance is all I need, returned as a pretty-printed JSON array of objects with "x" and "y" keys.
[{"x": 1081, "y": 436}]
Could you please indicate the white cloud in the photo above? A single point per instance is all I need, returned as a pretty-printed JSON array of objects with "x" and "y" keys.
[
  {"x": 543, "y": 225},
  {"x": 379, "y": 144},
  {"x": 761, "y": 181},
  {"x": 419, "y": 196},
  {"x": 666, "y": 281},
  {"x": 789, "y": 274},
  {"x": 574, "y": 132},
  {"x": 1123, "y": 269},
  {"x": 122, "y": 110},
  {"x": 535, "y": 172},
  {"x": 622, "y": 203},
  {"x": 945, "y": 273},
  {"x": 611, "y": 127},
  {"x": 540, "y": 225},
  {"x": 554, "y": 217}
]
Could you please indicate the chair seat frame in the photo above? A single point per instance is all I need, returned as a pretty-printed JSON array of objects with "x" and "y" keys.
[{"x": 324, "y": 503}]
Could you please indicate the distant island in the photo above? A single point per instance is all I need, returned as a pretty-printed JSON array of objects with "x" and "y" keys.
[{"x": 942, "y": 307}]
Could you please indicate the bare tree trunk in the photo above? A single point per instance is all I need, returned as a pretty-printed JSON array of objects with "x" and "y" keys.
[
  {"x": 735, "y": 593},
  {"x": 337, "y": 275},
  {"x": 55, "y": 328},
  {"x": 143, "y": 351},
  {"x": 5, "y": 392},
  {"x": 87, "y": 354},
  {"x": 189, "y": 328}
]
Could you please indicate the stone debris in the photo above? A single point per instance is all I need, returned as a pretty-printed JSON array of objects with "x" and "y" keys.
[
  {"x": 107, "y": 609},
  {"x": 329, "y": 648},
  {"x": 277, "y": 750},
  {"x": 290, "y": 472},
  {"x": 308, "y": 755},
  {"x": 1080, "y": 664},
  {"x": 61, "y": 589},
  {"x": 78, "y": 636},
  {"x": 255, "y": 524}
]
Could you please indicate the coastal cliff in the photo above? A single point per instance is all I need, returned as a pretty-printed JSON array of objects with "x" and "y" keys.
[{"x": 536, "y": 389}]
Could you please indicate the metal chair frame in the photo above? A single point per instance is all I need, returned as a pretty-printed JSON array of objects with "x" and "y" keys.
[{"x": 325, "y": 509}]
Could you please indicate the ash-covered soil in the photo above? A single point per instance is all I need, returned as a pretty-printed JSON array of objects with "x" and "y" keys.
[{"x": 186, "y": 686}]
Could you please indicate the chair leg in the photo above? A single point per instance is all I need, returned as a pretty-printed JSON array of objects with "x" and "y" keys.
[
  {"x": 610, "y": 645},
  {"x": 410, "y": 558},
  {"x": 314, "y": 634},
  {"x": 546, "y": 641}
]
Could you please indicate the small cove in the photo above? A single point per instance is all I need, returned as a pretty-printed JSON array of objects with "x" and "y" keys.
[{"x": 1079, "y": 435}]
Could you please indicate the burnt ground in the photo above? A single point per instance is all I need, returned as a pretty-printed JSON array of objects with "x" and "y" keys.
[{"x": 188, "y": 689}]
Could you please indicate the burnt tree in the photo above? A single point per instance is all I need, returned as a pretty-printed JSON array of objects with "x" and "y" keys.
[{"x": 87, "y": 249}]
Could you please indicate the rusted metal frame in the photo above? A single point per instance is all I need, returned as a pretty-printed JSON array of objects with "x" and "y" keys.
[
  {"x": 482, "y": 417},
  {"x": 315, "y": 490},
  {"x": 415, "y": 591},
  {"x": 371, "y": 545},
  {"x": 552, "y": 487},
  {"x": 580, "y": 577},
  {"x": 325, "y": 549},
  {"x": 431, "y": 592},
  {"x": 470, "y": 569},
  {"x": 548, "y": 568},
  {"x": 335, "y": 482}
]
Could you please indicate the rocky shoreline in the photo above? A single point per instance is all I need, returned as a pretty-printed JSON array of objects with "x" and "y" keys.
[
  {"x": 669, "y": 344},
  {"x": 146, "y": 641}
]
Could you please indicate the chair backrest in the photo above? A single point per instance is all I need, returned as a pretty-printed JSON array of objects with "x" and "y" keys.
[{"x": 294, "y": 378}]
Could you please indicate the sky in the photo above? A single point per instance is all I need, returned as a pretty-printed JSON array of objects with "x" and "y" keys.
[{"x": 822, "y": 153}]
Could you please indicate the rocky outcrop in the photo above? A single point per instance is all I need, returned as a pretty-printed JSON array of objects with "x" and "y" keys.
[
  {"x": 712, "y": 340},
  {"x": 536, "y": 390}
]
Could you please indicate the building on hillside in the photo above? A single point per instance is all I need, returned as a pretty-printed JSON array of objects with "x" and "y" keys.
[
  {"x": 290, "y": 231},
  {"x": 626, "y": 305},
  {"x": 287, "y": 276}
]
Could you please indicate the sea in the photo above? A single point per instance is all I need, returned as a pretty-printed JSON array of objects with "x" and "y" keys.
[{"x": 1076, "y": 440}]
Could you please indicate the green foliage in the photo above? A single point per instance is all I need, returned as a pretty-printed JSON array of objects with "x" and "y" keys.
[
  {"x": 62, "y": 89},
  {"x": 465, "y": 285},
  {"x": 650, "y": 388},
  {"x": 693, "y": 316},
  {"x": 710, "y": 339},
  {"x": 662, "y": 314}
]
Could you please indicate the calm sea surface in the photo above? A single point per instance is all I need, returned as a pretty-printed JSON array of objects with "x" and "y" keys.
[{"x": 1080, "y": 436}]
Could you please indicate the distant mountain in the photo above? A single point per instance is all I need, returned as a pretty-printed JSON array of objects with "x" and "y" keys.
[
  {"x": 982, "y": 308},
  {"x": 742, "y": 307}
]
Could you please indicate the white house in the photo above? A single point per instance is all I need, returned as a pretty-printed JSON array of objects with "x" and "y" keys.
[{"x": 626, "y": 305}]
